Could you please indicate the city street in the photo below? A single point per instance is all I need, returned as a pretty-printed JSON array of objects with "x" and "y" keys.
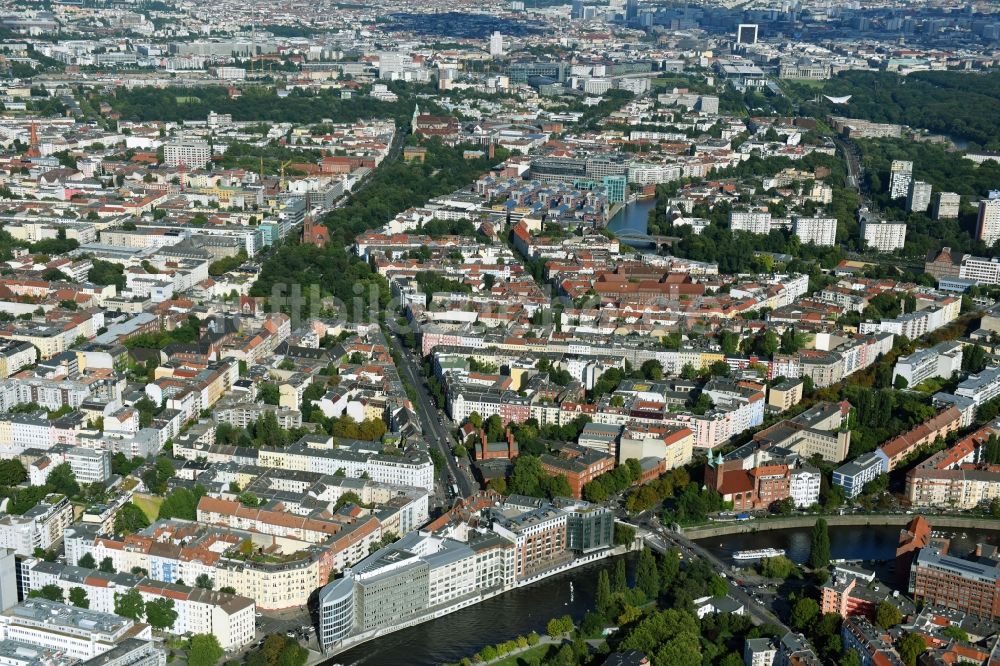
[
  {"x": 433, "y": 422},
  {"x": 661, "y": 539}
]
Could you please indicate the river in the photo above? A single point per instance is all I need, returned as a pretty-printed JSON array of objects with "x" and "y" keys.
[
  {"x": 495, "y": 620},
  {"x": 633, "y": 217},
  {"x": 528, "y": 609},
  {"x": 862, "y": 542}
]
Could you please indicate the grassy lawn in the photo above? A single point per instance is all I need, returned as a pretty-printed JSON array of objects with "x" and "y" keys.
[
  {"x": 810, "y": 83},
  {"x": 150, "y": 505},
  {"x": 524, "y": 657},
  {"x": 932, "y": 385}
]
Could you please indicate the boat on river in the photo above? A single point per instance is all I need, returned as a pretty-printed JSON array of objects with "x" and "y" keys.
[{"x": 751, "y": 555}]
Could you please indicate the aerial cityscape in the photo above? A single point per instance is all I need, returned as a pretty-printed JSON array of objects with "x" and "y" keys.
[{"x": 510, "y": 333}]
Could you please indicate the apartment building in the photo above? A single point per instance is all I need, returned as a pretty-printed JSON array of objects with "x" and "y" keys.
[
  {"x": 941, "y": 360},
  {"x": 955, "y": 478},
  {"x": 323, "y": 455},
  {"x": 873, "y": 645},
  {"x": 847, "y": 595},
  {"x": 788, "y": 650},
  {"x": 883, "y": 236},
  {"x": 855, "y": 475},
  {"x": 816, "y": 230},
  {"x": 918, "y": 196},
  {"x": 981, "y": 270},
  {"x": 754, "y": 222},
  {"x": 176, "y": 550},
  {"x": 15, "y": 356},
  {"x": 228, "y": 617},
  {"x": 191, "y": 389},
  {"x": 192, "y": 154},
  {"x": 41, "y": 526},
  {"x": 916, "y": 324},
  {"x": 785, "y": 395},
  {"x": 88, "y": 465},
  {"x": 243, "y": 414},
  {"x": 900, "y": 177},
  {"x": 346, "y": 538},
  {"x": 463, "y": 400},
  {"x": 988, "y": 221},
  {"x": 803, "y": 485},
  {"x": 940, "y": 426},
  {"x": 759, "y": 652},
  {"x": 674, "y": 446},
  {"x": 946, "y": 206},
  {"x": 79, "y": 632},
  {"x": 971, "y": 393}
]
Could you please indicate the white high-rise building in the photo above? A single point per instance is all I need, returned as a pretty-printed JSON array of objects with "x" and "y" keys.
[
  {"x": 946, "y": 206},
  {"x": 816, "y": 230},
  {"x": 496, "y": 44},
  {"x": 988, "y": 225},
  {"x": 883, "y": 236},
  {"x": 918, "y": 196},
  {"x": 754, "y": 221},
  {"x": 192, "y": 154},
  {"x": 8, "y": 579},
  {"x": 900, "y": 175}
]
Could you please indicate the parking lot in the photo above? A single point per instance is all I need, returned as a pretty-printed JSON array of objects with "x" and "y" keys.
[{"x": 294, "y": 624}]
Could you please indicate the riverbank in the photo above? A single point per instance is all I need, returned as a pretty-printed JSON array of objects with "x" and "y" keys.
[
  {"x": 470, "y": 602},
  {"x": 614, "y": 210},
  {"x": 852, "y": 520}
]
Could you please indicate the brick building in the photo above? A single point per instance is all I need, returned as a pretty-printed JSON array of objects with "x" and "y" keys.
[
  {"x": 972, "y": 586},
  {"x": 578, "y": 464}
]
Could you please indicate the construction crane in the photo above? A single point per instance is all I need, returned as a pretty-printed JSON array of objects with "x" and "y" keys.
[{"x": 284, "y": 183}]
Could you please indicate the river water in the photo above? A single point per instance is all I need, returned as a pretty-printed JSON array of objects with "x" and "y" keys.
[
  {"x": 862, "y": 542},
  {"x": 495, "y": 620},
  {"x": 528, "y": 609},
  {"x": 633, "y": 217}
]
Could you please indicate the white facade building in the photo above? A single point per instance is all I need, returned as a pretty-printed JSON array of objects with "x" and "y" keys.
[
  {"x": 78, "y": 632},
  {"x": 192, "y": 154},
  {"x": 816, "y": 230},
  {"x": 988, "y": 223},
  {"x": 939, "y": 361},
  {"x": 900, "y": 175},
  {"x": 42, "y": 526},
  {"x": 918, "y": 197},
  {"x": 754, "y": 222},
  {"x": 803, "y": 486},
  {"x": 946, "y": 206},
  {"x": 496, "y": 44},
  {"x": 883, "y": 236}
]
